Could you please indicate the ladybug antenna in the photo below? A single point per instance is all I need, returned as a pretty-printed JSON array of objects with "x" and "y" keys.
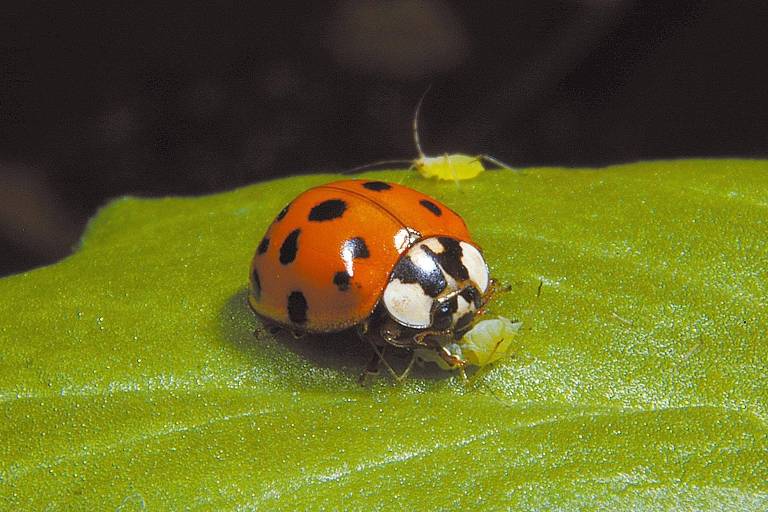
[{"x": 416, "y": 122}]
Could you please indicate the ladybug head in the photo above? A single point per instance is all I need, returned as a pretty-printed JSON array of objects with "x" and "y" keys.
[{"x": 437, "y": 285}]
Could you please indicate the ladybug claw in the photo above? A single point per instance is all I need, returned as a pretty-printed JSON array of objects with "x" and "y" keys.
[
  {"x": 371, "y": 369},
  {"x": 297, "y": 335}
]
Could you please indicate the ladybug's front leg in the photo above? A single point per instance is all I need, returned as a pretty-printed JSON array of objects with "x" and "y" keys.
[
  {"x": 493, "y": 288},
  {"x": 487, "y": 296},
  {"x": 372, "y": 368},
  {"x": 428, "y": 339}
]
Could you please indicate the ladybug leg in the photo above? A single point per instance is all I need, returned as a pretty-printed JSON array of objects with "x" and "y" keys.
[
  {"x": 266, "y": 325},
  {"x": 452, "y": 360},
  {"x": 487, "y": 296},
  {"x": 493, "y": 288},
  {"x": 378, "y": 357},
  {"x": 423, "y": 339},
  {"x": 371, "y": 369},
  {"x": 405, "y": 373},
  {"x": 297, "y": 334}
]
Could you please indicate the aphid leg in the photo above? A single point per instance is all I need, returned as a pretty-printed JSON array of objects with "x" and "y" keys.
[
  {"x": 453, "y": 172},
  {"x": 621, "y": 318},
  {"x": 376, "y": 164},
  {"x": 476, "y": 376},
  {"x": 414, "y": 166},
  {"x": 475, "y": 379},
  {"x": 496, "y": 162}
]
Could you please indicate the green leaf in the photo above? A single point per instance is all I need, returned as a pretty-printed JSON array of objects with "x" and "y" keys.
[{"x": 131, "y": 377}]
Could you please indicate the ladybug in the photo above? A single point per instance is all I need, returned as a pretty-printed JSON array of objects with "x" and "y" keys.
[{"x": 396, "y": 264}]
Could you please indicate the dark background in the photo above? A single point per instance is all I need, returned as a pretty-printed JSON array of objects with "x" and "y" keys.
[{"x": 99, "y": 101}]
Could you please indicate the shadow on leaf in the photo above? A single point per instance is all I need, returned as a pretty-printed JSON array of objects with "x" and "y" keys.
[{"x": 342, "y": 352}]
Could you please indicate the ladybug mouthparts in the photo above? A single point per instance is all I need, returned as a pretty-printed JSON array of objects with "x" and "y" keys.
[{"x": 437, "y": 286}]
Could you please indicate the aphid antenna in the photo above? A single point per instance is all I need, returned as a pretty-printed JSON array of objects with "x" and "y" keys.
[
  {"x": 476, "y": 379},
  {"x": 621, "y": 318},
  {"x": 375, "y": 164},
  {"x": 494, "y": 394},
  {"x": 416, "y": 141},
  {"x": 416, "y": 122}
]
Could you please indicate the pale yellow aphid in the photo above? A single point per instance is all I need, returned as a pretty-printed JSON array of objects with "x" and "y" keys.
[
  {"x": 487, "y": 342},
  {"x": 455, "y": 167},
  {"x": 449, "y": 167}
]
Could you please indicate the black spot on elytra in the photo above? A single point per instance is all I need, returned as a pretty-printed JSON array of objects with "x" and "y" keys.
[
  {"x": 431, "y": 280},
  {"x": 263, "y": 246},
  {"x": 255, "y": 284},
  {"x": 282, "y": 213},
  {"x": 290, "y": 247},
  {"x": 442, "y": 316},
  {"x": 355, "y": 248},
  {"x": 341, "y": 280},
  {"x": 450, "y": 258},
  {"x": 377, "y": 186},
  {"x": 328, "y": 210},
  {"x": 297, "y": 308},
  {"x": 429, "y": 205}
]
